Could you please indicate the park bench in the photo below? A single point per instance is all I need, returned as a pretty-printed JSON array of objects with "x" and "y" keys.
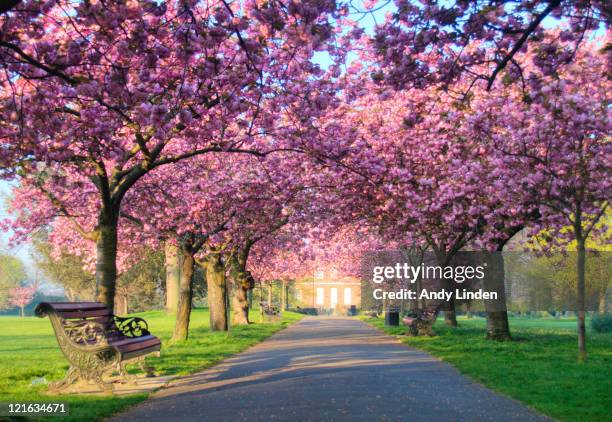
[
  {"x": 420, "y": 322},
  {"x": 269, "y": 310},
  {"x": 96, "y": 342}
]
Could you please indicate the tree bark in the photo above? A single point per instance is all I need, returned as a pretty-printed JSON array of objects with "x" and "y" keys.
[
  {"x": 419, "y": 286},
  {"x": 217, "y": 293},
  {"x": 106, "y": 258},
  {"x": 602, "y": 307},
  {"x": 183, "y": 312},
  {"x": 498, "y": 327},
  {"x": 581, "y": 265},
  {"x": 450, "y": 315},
  {"x": 240, "y": 288},
  {"x": 173, "y": 258},
  {"x": 122, "y": 304},
  {"x": 468, "y": 310},
  {"x": 270, "y": 293},
  {"x": 70, "y": 294},
  {"x": 283, "y": 295}
]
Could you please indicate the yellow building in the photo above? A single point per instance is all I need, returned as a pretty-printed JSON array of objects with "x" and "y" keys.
[{"x": 328, "y": 292}]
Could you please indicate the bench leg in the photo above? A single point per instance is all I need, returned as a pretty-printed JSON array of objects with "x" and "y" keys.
[
  {"x": 425, "y": 328},
  {"x": 147, "y": 369},
  {"x": 106, "y": 387},
  {"x": 72, "y": 376},
  {"x": 125, "y": 376},
  {"x": 412, "y": 330}
]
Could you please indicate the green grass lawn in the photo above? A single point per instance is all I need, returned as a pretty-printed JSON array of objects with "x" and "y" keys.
[
  {"x": 539, "y": 367},
  {"x": 28, "y": 350}
]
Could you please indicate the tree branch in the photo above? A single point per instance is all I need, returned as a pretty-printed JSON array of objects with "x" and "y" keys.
[
  {"x": 7, "y": 5},
  {"x": 36, "y": 63},
  {"x": 528, "y": 31}
]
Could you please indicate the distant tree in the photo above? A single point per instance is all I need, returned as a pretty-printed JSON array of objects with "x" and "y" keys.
[
  {"x": 140, "y": 287},
  {"x": 21, "y": 297},
  {"x": 552, "y": 281},
  {"x": 65, "y": 270},
  {"x": 12, "y": 273}
]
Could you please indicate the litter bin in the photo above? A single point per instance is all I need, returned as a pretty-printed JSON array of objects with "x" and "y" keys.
[
  {"x": 353, "y": 310},
  {"x": 392, "y": 317}
]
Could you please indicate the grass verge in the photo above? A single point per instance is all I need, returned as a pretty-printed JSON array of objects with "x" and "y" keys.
[
  {"x": 539, "y": 367},
  {"x": 29, "y": 351}
]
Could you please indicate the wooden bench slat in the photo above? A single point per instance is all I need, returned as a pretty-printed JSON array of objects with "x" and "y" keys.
[
  {"x": 127, "y": 340},
  {"x": 67, "y": 306},
  {"x": 84, "y": 314},
  {"x": 139, "y": 344}
]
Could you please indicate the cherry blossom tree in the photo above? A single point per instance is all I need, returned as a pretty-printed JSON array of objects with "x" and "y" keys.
[
  {"x": 105, "y": 93},
  {"x": 420, "y": 174},
  {"x": 22, "y": 296},
  {"x": 556, "y": 145}
]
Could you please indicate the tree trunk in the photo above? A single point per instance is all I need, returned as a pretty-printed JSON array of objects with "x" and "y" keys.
[
  {"x": 602, "y": 307},
  {"x": 283, "y": 295},
  {"x": 217, "y": 293},
  {"x": 468, "y": 310},
  {"x": 70, "y": 294},
  {"x": 22, "y": 311},
  {"x": 419, "y": 304},
  {"x": 450, "y": 315},
  {"x": 106, "y": 259},
  {"x": 239, "y": 292},
  {"x": 270, "y": 293},
  {"x": 582, "y": 354},
  {"x": 183, "y": 312},
  {"x": 121, "y": 308},
  {"x": 173, "y": 258},
  {"x": 497, "y": 313}
]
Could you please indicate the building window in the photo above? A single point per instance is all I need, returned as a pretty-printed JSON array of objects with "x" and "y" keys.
[
  {"x": 334, "y": 297},
  {"x": 320, "y": 296},
  {"x": 347, "y": 296}
]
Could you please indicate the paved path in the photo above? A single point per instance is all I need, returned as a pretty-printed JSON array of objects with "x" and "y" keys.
[{"x": 329, "y": 369}]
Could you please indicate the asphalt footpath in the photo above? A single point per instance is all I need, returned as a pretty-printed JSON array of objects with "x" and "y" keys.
[{"x": 329, "y": 369}]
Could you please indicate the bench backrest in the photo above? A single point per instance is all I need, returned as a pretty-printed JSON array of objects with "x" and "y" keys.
[{"x": 74, "y": 310}]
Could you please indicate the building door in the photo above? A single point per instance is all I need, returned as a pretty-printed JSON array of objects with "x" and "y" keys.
[
  {"x": 334, "y": 297},
  {"x": 320, "y": 296},
  {"x": 347, "y": 296}
]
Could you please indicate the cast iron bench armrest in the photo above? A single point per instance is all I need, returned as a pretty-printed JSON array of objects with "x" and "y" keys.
[
  {"x": 131, "y": 326},
  {"x": 269, "y": 309}
]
